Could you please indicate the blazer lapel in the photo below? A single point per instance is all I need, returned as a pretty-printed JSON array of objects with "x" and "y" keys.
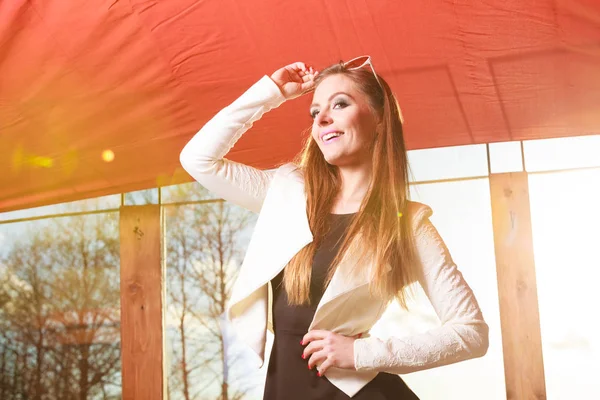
[
  {"x": 354, "y": 271},
  {"x": 281, "y": 231}
]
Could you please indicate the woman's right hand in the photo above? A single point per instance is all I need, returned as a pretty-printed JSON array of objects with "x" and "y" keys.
[{"x": 295, "y": 79}]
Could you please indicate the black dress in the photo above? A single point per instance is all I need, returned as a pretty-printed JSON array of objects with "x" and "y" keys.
[{"x": 288, "y": 376}]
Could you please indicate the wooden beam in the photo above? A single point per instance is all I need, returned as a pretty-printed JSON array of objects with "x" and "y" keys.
[
  {"x": 141, "y": 303},
  {"x": 517, "y": 289}
]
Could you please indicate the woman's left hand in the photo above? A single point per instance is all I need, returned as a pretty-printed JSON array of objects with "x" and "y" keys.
[{"x": 327, "y": 349}]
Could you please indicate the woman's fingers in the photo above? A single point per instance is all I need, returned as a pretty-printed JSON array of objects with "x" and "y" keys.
[
  {"x": 299, "y": 66},
  {"x": 314, "y": 335},
  {"x": 327, "y": 349},
  {"x": 306, "y": 72},
  {"x": 311, "y": 348},
  {"x": 294, "y": 79},
  {"x": 317, "y": 359},
  {"x": 325, "y": 366},
  {"x": 309, "y": 76}
]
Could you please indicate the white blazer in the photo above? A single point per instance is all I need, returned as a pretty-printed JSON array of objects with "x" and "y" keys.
[{"x": 346, "y": 307}]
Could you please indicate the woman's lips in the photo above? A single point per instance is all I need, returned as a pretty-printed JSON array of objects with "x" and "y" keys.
[{"x": 327, "y": 136}]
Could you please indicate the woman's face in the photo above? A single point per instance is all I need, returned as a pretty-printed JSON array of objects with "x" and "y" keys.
[{"x": 343, "y": 124}]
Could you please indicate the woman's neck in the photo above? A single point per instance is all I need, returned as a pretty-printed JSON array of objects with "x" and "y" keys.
[{"x": 354, "y": 186}]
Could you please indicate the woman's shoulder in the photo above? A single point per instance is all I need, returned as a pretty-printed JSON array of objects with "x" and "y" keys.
[
  {"x": 290, "y": 170},
  {"x": 417, "y": 213}
]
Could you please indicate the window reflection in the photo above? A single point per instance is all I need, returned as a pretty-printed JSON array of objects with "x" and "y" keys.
[
  {"x": 205, "y": 247},
  {"x": 141, "y": 197},
  {"x": 565, "y": 219},
  {"x": 95, "y": 204},
  {"x": 185, "y": 192},
  {"x": 59, "y": 309}
]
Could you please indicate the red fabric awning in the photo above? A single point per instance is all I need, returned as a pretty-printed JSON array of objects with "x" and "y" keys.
[{"x": 140, "y": 77}]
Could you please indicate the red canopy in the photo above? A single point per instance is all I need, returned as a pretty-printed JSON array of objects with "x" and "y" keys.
[{"x": 140, "y": 77}]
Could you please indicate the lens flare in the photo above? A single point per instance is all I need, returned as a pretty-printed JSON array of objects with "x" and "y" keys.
[{"x": 108, "y": 155}]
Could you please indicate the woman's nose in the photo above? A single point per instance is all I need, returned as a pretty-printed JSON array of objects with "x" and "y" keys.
[{"x": 323, "y": 119}]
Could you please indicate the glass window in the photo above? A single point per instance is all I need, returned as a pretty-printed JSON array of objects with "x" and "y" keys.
[
  {"x": 565, "y": 219},
  {"x": 60, "y": 308},
  {"x": 505, "y": 157},
  {"x": 192, "y": 191},
  {"x": 462, "y": 215},
  {"x": 205, "y": 247},
  {"x": 95, "y": 204},
  {"x": 141, "y": 197},
  {"x": 562, "y": 153},
  {"x": 448, "y": 162}
]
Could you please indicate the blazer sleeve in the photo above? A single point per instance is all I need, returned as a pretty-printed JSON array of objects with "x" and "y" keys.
[
  {"x": 203, "y": 156},
  {"x": 463, "y": 333}
]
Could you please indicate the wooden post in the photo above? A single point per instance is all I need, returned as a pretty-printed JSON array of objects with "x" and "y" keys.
[
  {"x": 141, "y": 303},
  {"x": 517, "y": 289}
]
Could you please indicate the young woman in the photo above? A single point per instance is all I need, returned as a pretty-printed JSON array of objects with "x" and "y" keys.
[{"x": 337, "y": 239}]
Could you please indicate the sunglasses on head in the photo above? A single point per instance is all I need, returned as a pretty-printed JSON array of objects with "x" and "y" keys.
[{"x": 360, "y": 62}]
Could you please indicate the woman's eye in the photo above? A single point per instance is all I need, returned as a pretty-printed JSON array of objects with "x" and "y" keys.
[
  {"x": 336, "y": 105},
  {"x": 340, "y": 104}
]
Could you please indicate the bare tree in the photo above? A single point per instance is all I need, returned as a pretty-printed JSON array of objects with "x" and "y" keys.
[
  {"x": 60, "y": 311},
  {"x": 183, "y": 247},
  {"x": 205, "y": 244},
  {"x": 59, "y": 305}
]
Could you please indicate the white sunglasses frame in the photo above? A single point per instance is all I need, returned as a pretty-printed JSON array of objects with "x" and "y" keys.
[
  {"x": 370, "y": 63},
  {"x": 366, "y": 62}
]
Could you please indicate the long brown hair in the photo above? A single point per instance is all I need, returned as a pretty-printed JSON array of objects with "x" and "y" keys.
[{"x": 381, "y": 221}]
